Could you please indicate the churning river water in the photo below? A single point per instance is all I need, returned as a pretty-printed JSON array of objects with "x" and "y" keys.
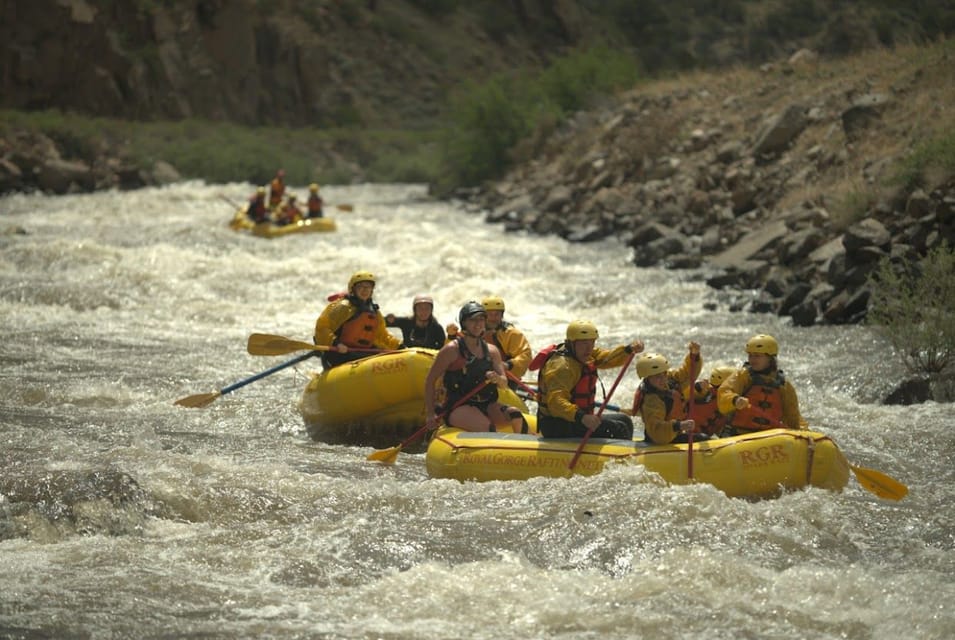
[{"x": 124, "y": 516}]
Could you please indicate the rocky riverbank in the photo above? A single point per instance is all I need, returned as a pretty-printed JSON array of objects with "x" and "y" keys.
[{"x": 785, "y": 180}]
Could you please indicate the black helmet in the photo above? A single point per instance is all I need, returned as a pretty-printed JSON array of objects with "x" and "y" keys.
[{"x": 470, "y": 309}]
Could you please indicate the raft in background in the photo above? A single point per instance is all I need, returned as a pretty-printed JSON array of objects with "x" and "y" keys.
[
  {"x": 756, "y": 465},
  {"x": 375, "y": 401},
  {"x": 241, "y": 222}
]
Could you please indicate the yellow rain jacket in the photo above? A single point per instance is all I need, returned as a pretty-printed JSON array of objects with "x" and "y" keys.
[
  {"x": 514, "y": 348},
  {"x": 559, "y": 377},
  {"x": 657, "y": 421}
]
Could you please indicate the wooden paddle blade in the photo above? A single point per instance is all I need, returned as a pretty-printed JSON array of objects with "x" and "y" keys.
[
  {"x": 879, "y": 483},
  {"x": 385, "y": 456},
  {"x": 198, "y": 400},
  {"x": 264, "y": 344},
  {"x": 345, "y": 207}
]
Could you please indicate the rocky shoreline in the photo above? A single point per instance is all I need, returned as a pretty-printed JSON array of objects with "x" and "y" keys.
[
  {"x": 32, "y": 161},
  {"x": 737, "y": 181}
]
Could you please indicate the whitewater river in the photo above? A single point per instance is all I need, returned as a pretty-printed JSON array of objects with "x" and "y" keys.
[{"x": 124, "y": 516}]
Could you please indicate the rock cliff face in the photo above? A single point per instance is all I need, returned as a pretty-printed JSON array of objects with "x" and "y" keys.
[{"x": 318, "y": 63}]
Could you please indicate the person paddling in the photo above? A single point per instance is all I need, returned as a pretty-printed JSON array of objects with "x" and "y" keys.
[
  {"x": 568, "y": 385},
  {"x": 465, "y": 364},
  {"x": 662, "y": 399}
]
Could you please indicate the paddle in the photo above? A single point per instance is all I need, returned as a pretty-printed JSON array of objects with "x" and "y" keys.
[
  {"x": 879, "y": 483},
  {"x": 388, "y": 456},
  {"x": 345, "y": 207},
  {"x": 204, "y": 399},
  {"x": 583, "y": 441},
  {"x": 264, "y": 344},
  {"x": 531, "y": 390}
]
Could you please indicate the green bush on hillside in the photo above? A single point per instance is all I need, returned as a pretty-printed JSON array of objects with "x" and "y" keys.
[
  {"x": 488, "y": 120},
  {"x": 911, "y": 305},
  {"x": 936, "y": 155}
]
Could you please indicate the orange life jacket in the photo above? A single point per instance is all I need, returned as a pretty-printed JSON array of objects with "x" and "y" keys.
[
  {"x": 672, "y": 396},
  {"x": 276, "y": 191},
  {"x": 359, "y": 330},
  {"x": 766, "y": 405}
]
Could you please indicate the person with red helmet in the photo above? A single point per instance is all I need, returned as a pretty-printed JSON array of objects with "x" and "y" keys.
[{"x": 420, "y": 329}]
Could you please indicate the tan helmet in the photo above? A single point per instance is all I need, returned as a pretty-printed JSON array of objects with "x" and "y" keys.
[
  {"x": 582, "y": 330},
  {"x": 313, "y": 187},
  {"x": 260, "y": 191},
  {"x": 762, "y": 343},
  {"x": 719, "y": 374},
  {"x": 360, "y": 276},
  {"x": 650, "y": 364},
  {"x": 422, "y": 298},
  {"x": 493, "y": 303}
]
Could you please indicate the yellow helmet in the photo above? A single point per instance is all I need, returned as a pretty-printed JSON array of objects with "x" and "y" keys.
[
  {"x": 719, "y": 374},
  {"x": 651, "y": 364},
  {"x": 582, "y": 330},
  {"x": 493, "y": 303},
  {"x": 762, "y": 343},
  {"x": 360, "y": 276},
  {"x": 313, "y": 187},
  {"x": 260, "y": 191}
]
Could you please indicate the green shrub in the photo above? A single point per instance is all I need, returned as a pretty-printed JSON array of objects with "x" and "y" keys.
[
  {"x": 489, "y": 120},
  {"x": 912, "y": 304},
  {"x": 937, "y": 154}
]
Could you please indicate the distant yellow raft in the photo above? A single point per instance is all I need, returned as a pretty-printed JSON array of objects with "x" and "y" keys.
[
  {"x": 268, "y": 230},
  {"x": 377, "y": 401},
  {"x": 757, "y": 465}
]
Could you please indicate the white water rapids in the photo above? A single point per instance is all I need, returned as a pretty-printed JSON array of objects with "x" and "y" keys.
[{"x": 122, "y": 515}]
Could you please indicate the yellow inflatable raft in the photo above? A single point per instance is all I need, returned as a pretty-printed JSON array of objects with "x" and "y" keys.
[
  {"x": 757, "y": 465},
  {"x": 377, "y": 401},
  {"x": 241, "y": 222}
]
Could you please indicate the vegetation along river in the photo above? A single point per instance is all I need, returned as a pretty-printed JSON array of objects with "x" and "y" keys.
[{"x": 122, "y": 515}]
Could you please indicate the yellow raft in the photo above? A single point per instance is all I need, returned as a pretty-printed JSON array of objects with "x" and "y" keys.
[
  {"x": 377, "y": 401},
  {"x": 241, "y": 222},
  {"x": 757, "y": 465}
]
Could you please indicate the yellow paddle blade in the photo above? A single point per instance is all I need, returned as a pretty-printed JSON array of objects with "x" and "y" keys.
[
  {"x": 198, "y": 400},
  {"x": 345, "y": 207},
  {"x": 879, "y": 483},
  {"x": 385, "y": 456},
  {"x": 264, "y": 344}
]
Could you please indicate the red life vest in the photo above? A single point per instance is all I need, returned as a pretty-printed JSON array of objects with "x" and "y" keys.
[
  {"x": 584, "y": 392},
  {"x": 766, "y": 404},
  {"x": 314, "y": 206},
  {"x": 704, "y": 413}
]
